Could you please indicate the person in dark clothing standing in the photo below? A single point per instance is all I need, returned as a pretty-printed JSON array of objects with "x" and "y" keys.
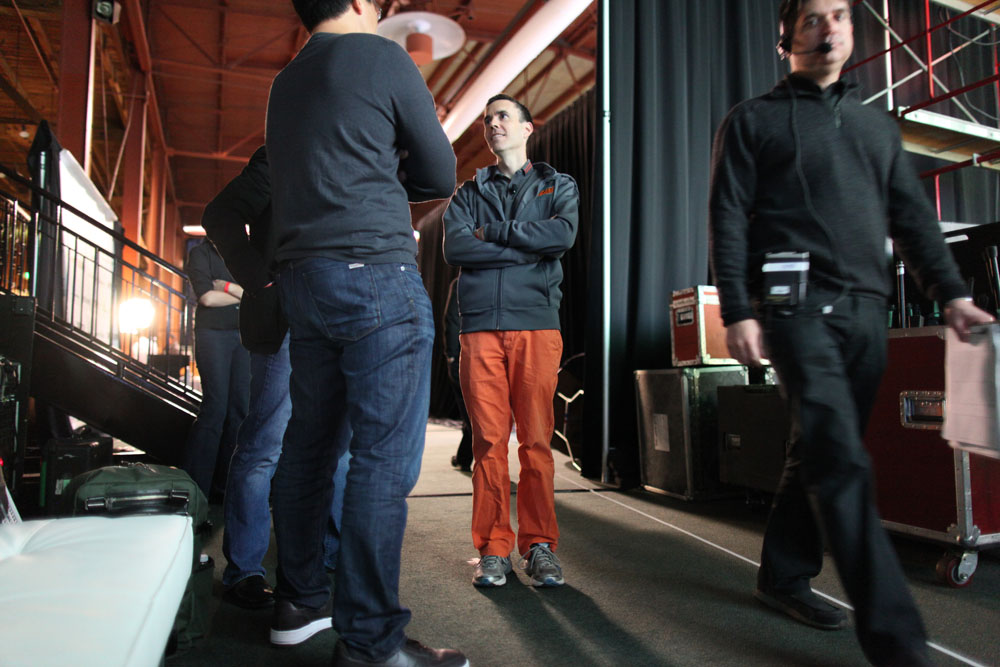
[
  {"x": 452, "y": 352},
  {"x": 507, "y": 229},
  {"x": 807, "y": 169},
  {"x": 246, "y": 203},
  {"x": 224, "y": 368},
  {"x": 351, "y": 135}
]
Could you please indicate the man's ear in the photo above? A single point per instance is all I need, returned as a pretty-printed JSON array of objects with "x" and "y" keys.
[
  {"x": 356, "y": 6},
  {"x": 529, "y": 129}
]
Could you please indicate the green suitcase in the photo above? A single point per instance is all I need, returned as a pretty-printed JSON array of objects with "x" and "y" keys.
[{"x": 147, "y": 488}]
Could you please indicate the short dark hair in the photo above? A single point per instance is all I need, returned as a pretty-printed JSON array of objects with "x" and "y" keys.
[
  {"x": 525, "y": 114},
  {"x": 314, "y": 12},
  {"x": 788, "y": 16}
]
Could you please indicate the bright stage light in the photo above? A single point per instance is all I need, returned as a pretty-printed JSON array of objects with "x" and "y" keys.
[{"x": 135, "y": 315}]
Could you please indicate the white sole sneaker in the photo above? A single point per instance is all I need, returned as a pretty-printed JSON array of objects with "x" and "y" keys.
[{"x": 299, "y": 635}]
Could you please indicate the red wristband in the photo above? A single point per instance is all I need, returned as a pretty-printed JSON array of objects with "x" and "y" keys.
[{"x": 226, "y": 288}]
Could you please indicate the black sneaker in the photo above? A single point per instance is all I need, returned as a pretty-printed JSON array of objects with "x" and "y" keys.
[
  {"x": 412, "y": 654},
  {"x": 916, "y": 657},
  {"x": 293, "y": 625},
  {"x": 805, "y": 607},
  {"x": 250, "y": 593}
]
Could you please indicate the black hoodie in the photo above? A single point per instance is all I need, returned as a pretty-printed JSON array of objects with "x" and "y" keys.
[{"x": 860, "y": 188}]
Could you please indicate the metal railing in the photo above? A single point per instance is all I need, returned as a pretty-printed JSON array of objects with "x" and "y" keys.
[{"x": 108, "y": 299}]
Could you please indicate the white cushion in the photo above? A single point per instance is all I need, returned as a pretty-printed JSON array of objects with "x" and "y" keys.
[{"x": 91, "y": 590}]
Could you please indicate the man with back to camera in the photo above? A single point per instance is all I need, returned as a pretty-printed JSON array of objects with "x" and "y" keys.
[
  {"x": 807, "y": 169},
  {"x": 507, "y": 229},
  {"x": 351, "y": 136}
]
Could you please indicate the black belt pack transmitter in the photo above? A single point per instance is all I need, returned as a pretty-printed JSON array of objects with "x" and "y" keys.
[{"x": 786, "y": 275}]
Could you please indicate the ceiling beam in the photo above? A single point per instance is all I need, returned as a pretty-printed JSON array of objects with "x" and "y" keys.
[
  {"x": 140, "y": 42},
  {"x": 254, "y": 135},
  {"x": 43, "y": 9},
  {"x": 571, "y": 94},
  {"x": 188, "y": 37},
  {"x": 520, "y": 19},
  {"x": 467, "y": 63},
  {"x": 291, "y": 30},
  {"x": 201, "y": 155},
  {"x": 265, "y": 75},
  {"x": 14, "y": 91},
  {"x": 278, "y": 10},
  {"x": 46, "y": 64},
  {"x": 579, "y": 52}
]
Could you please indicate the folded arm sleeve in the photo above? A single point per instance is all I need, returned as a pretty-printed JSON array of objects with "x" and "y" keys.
[
  {"x": 199, "y": 271},
  {"x": 917, "y": 237},
  {"x": 734, "y": 182},
  {"x": 550, "y": 237},
  {"x": 462, "y": 248},
  {"x": 244, "y": 201},
  {"x": 429, "y": 165}
]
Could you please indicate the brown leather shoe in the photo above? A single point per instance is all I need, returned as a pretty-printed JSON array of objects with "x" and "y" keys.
[{"x": 411, "y": 654}]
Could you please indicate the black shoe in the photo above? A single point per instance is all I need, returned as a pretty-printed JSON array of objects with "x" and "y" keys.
[
  {"x": 464, "y": 467},
  {"x": 250, "y": 593},
  {"x": 412, "y": 654},
  {"x": 293, "y": 625},
  {"x": 909, "y": 658},
  {"x": 805, "y": 607}
]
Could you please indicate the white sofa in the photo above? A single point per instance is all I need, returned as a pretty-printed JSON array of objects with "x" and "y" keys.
[{"x": 91, "y": 590}]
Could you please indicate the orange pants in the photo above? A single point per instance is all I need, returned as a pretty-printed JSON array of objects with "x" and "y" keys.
[{"x": 510, "y": 377}]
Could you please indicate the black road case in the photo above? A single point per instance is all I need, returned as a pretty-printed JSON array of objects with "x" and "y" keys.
[
  {"x": 754, "y": 426},
  {"x": 678, "y": 416}
]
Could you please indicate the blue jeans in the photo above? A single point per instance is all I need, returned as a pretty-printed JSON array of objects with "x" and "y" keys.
[
  {"x": 331, "y": 539},
  {"x": 258, "y": 446},
  {"x": 224, "y": 367},
  {"x": 360, "y": 351}
]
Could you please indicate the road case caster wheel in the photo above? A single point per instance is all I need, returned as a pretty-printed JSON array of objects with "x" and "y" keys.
[{"x": 956, "y": 570}]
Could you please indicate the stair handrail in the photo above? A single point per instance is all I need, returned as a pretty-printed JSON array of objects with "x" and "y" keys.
[{"x": 140, "y": 354}]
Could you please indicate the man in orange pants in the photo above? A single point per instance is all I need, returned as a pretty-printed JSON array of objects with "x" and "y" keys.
[{"x": 507, "y": 229}]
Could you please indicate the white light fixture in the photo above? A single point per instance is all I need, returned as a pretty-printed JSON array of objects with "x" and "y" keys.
[
  {"x": 537, "y": 34},
  {"x": 24, "y": 134},
  {"x": 424, "y": 35},
  {"x": 193, "y": 230},
  {"x": 134, "y": 315}
]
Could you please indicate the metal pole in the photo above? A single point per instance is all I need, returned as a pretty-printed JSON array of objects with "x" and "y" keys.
[
  {"x": 605, "y": 20},
  {"x": 890, "y": 97}
]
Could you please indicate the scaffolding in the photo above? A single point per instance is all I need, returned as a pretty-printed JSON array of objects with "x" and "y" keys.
[{"x": 962, "y": 137}]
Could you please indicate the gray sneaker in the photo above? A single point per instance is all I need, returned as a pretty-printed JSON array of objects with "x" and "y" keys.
[
  {"x": 543, "y": 567},
  {"x": 491, "y": 571}
]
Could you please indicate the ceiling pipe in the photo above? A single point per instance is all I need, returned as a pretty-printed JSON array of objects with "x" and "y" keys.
[{"x": 537, "y": 34}]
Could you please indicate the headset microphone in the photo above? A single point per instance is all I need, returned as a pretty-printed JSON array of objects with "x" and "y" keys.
[{"x": 823, "y": 47}]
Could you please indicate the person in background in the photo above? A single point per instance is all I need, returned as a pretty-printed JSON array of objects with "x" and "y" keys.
[
  {"x": 351, "y": 136},
  {"x": 507, "y": 230},
  {"x": 245, "y": 203},
  {"x": 224, "y": 368},
  {"x": 807, "y": 169},
  {"x": 452, "y": 351}
]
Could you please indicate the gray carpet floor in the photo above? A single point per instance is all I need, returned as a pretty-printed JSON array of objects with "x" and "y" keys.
[{"x": 650, "y": 581}]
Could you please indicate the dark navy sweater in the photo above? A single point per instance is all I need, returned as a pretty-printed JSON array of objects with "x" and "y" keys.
[
  {"x": 860, "y": 182},
  {"x": 352, "y": 135}
]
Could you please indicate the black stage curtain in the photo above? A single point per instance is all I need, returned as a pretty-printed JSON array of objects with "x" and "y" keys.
[
  {"x": 676, "y": 69},
  {"x": 567, "y": 143}
]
